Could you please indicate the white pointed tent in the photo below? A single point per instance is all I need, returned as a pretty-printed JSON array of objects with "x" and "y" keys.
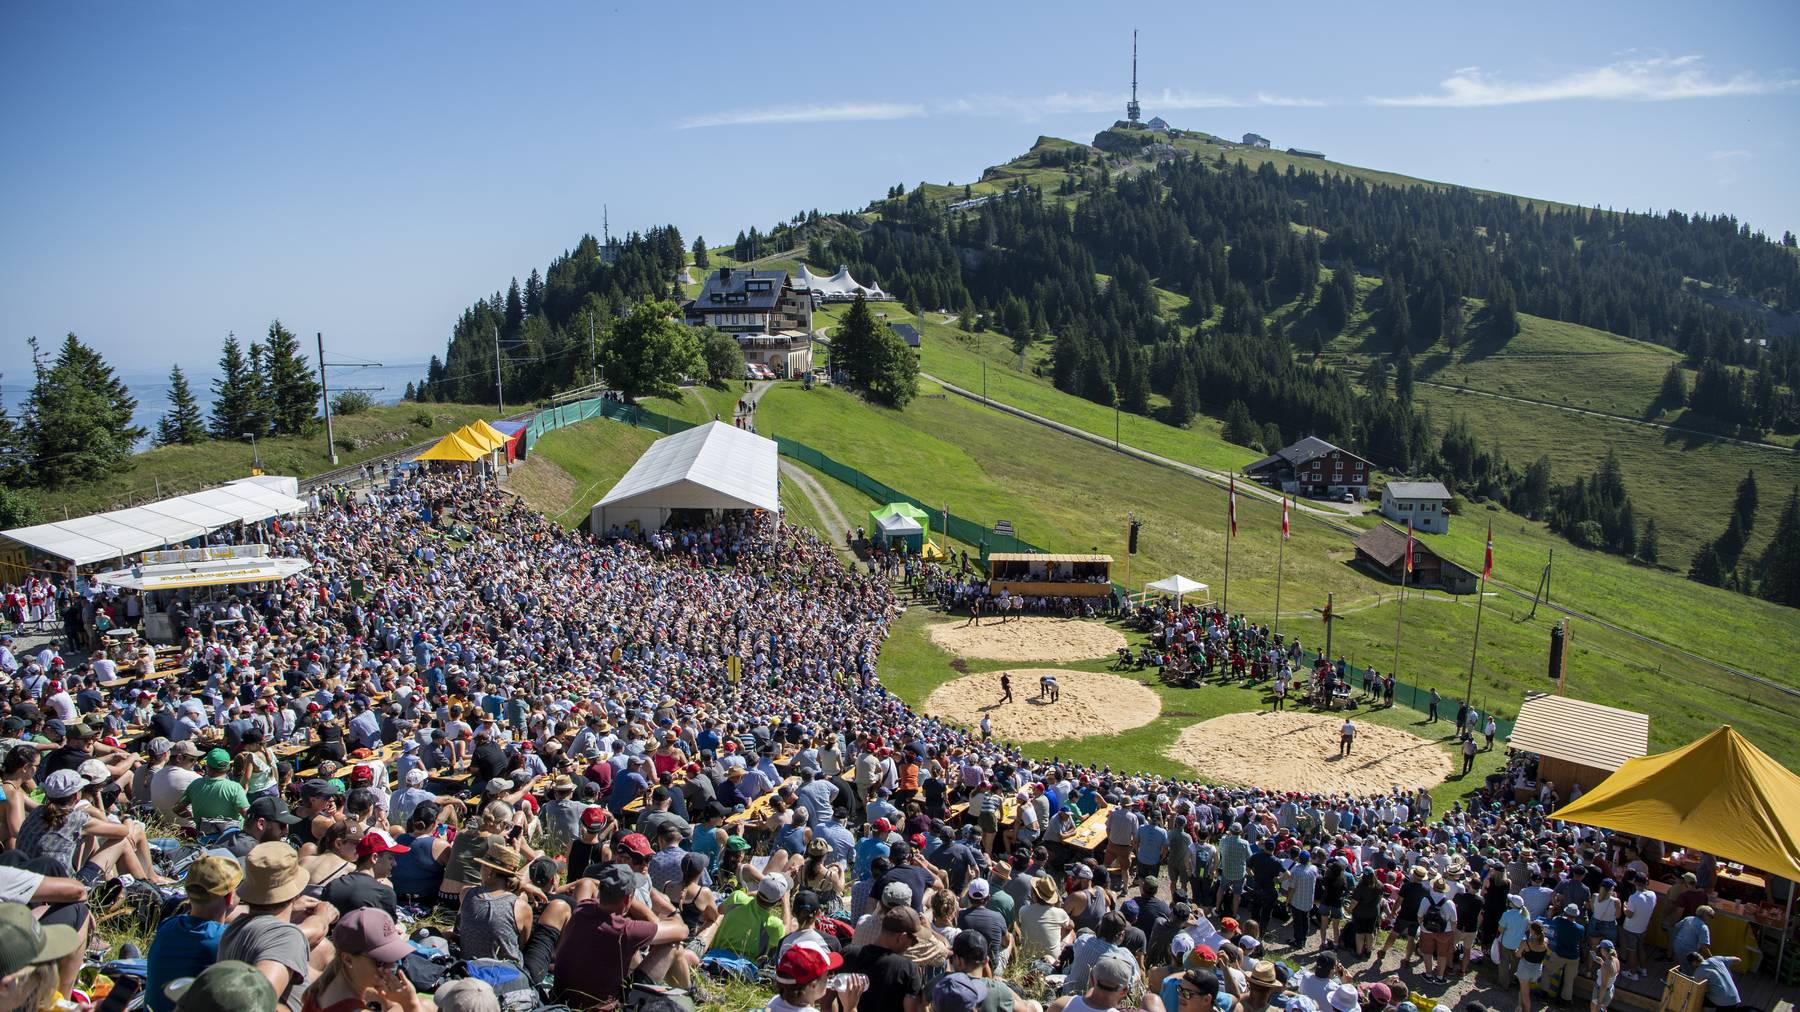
[
  {"x": 839, "y": 287},
  {"x": 1178, "y": 586},
  {"x": 709, "y": 467}
]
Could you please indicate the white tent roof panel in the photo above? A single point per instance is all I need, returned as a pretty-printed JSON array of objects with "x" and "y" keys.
[
  {"x": 711, "y": 466},
  {"x": 840, "y": 283},
  {"x": 102, "y": 536},
  {"x": 896, "y": 523},
  {"x": 53, "y": 540}
]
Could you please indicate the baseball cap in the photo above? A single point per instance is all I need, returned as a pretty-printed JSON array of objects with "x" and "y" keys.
[
  {"x": 212, "y": 876},
  {"x": 415, "y": 777},
  {"x": 636, "y": 843},
  {"x": 979, "y": 889},
  {"x": 896, "y": 894},
  {"x": 958, "y": 992},
  {"x": 803, "y": 963},
  {"x": 186, "y": 749},
  {"x": 376, "y": 841},
  {"x": 499, "y": 785},
  {"x": 806, "y": 900},
  {"x": 63, "y": 784},
  {"x": 273, "y": 808},
  {"x": 94, "y": 771},
  {"x": 227, "y": 986},
  {"x": 883, "y": 826},
  {"x": 370, "y": 932},
  {"x": 322, "y": 789},
  {"x": 615, "y": 883},
  {"x": 772, "y": 888},
  {"x": 1111, "y": 972},
  {"x": 25, "y": 942},
  {"x": 595, "y": 816},
  {"x": 218, "y": 759}
]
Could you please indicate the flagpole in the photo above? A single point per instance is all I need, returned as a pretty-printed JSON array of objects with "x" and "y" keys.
[
  {"x": 1230, "y": 532},
  {"x": 1280, "y": 564},
  {"x": 1487, "y": 567},
  {"x": 1399, "y": 617}
]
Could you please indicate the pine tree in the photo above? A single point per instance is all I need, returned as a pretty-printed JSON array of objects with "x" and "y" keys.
[
  {"x": 262, "y": 401},
  {"x": 894, "y": 379},
  {"x": 1403, "y": 377},
  {"x": 293, "y": 392},
  {"x": 1781, "y": 562},
  {"x": 1674, "y": 388},
  {"x": 515, "y": 311},
  {"x": 1707, "y": 567},
  {"x": 854, "y": 348},
  {"x": 701, "y": 259},
  {"x": 1743, "y": 506},
  {"x": 234, "y": 394},
  {"x": 1649, "y": 546},
  {"x": 183, "y": 422},
  {"x": 77, "y": 423}
]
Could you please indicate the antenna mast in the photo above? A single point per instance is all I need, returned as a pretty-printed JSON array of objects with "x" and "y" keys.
[{"x": 1131, "y": 108}]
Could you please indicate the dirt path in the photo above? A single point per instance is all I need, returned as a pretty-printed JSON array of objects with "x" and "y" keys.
[{"x": 822, "y": 503}]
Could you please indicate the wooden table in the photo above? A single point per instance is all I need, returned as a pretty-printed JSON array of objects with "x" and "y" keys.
[
  {"x": 760, "y": 808},
  {"x": 120, "y": 683},
  {"x": 1091, "y": 833},
  {"x": 385, "y": 755}
]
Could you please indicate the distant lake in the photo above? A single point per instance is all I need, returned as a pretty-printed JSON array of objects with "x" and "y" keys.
[{"x": 386, "y": 384}]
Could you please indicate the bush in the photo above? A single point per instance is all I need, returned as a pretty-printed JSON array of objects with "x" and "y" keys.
[
  {"x": 351, "y": 402},
  {"x": 423, "y": 419},
  {"x": 344, "y": 443}
]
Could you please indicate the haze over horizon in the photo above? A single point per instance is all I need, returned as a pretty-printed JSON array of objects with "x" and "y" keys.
[{"x": 182, "y": 170}]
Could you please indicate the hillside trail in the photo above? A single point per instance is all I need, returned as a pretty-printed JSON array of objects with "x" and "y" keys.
[
  {"x": 822, "y": 503},
  {"x": 1755, "y": 444}
]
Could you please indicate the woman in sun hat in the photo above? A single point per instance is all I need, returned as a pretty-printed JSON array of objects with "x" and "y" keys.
[
  {"x": 495, "y": 919},
  {"x": 367, "y": 964}
]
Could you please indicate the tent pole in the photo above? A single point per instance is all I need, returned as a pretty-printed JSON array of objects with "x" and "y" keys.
[{"x": 1787, "y": 927}]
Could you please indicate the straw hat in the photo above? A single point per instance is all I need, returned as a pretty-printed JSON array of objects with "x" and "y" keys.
[
  {"x": 1043, "y": 890},
  {"x": 272, "y": 874},
  {"x": 502, "y": 859},
  {"x": 1264, "y": 975}
]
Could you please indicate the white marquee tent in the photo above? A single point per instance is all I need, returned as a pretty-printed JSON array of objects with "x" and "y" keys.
[
  {"x": 1178, "y": 586},
  {"x": 102, "y": 536},
  {"x": 709, "y": 467},
  {"x": 839, "y": 287}
]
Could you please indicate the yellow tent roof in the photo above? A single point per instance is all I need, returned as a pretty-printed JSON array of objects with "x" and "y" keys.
[
  {"x": 1721, "y": 795},
  {"x": 492, "y": 433},
  {"x": 480, "y": 435},
  {"x": 453, "y": 447}
]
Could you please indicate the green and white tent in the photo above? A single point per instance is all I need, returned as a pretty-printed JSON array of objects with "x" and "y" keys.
[{"x": 899, "y": 522}]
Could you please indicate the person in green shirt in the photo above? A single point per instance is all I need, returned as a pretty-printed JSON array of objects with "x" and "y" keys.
[
  {"x": 753, "y": 926},
  {"x": 215, "y": 798}
]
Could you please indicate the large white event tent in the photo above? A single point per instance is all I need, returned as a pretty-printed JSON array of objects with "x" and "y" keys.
[
  {"x": 839, "y": 287},
  {"x": 709, "y": 467},
  {"x": 1177, "y": 586},
  {"x": 115, "y": 535}
]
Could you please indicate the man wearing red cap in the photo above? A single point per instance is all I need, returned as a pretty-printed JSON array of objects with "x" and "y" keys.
[
  {"x": 803, "y": 976},
  {"x": 367, "y": 884}
]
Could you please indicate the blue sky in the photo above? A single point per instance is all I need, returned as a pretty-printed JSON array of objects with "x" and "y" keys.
[{"x": 174, "y": 171}]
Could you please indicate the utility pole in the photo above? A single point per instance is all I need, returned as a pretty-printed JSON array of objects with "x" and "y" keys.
[
  {"x": 325, "y": 395},
  {"x": 499, "y": 390}
]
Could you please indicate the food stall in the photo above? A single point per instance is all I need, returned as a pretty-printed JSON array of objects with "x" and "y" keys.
[
  {"x": 1722, "y": 796},
  {"x": 196, "y": 574}
]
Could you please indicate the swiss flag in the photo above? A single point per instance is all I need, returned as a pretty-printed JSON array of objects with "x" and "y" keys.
[
  {"x": 1487, "y": 566},
  {"x": 1284, "y": 518},
  {"x": 1409, "y": 544}
]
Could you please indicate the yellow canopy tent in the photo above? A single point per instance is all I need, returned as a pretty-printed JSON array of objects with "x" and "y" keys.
[
  {"x": 480, "y": 434},
  {"x": 1721, "y": 795},
  {"x": 453, "y": 447},
  {"x": 494, "y": 436}
]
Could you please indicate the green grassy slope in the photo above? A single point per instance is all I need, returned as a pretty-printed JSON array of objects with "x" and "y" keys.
[
  {"x": 176, "y": 470},
  {"x": 1068, "y": 495},
  {"x": 1685, "y": 480}
]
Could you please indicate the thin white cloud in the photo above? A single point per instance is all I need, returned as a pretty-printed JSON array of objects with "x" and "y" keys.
[
  {"x": 1728, "y": 165},
  {"x": 1650, "y": 79},
  {"x": 835, "y": 112},
  {"x": 1062, "y": 103}
]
